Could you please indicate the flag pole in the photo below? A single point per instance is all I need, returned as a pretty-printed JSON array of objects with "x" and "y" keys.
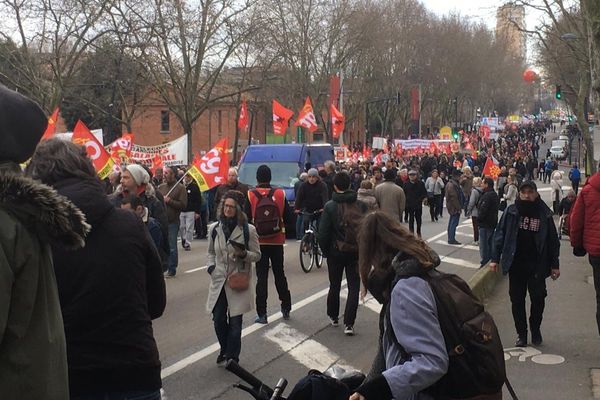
[{"x": 176, "y": 183}]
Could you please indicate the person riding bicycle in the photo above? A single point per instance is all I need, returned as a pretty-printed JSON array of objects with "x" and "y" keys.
[{"x": 312, "y": 196}]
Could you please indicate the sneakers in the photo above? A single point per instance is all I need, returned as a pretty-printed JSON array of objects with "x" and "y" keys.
[
  {"x": 184, "y": 244},
  {"x": 261, "y": 319},
  {"x": 169, "y": 275},
  {"x": 536, "y": 337},
  {"x": 349, "y": 330},
  {"x": 521, "y": 341},
  {"x": 285, "y": 314},
  {"x": 221, "y": 360},
  {"x": 334, "y": 322},
  {"x": 476, "y": 243}
]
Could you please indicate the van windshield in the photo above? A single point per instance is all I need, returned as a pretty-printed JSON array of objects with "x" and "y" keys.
[{"x": 283, "y": 174}]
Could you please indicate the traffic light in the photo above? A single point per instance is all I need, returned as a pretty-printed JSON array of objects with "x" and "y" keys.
[
  {"x": 455, "y": 135},
  {"x": 558, "y": 92}
]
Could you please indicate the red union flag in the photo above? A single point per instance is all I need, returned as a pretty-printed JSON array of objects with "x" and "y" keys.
[
  {"x": 243, "y": 119},
  {"x": 306, "y": 118},
  {"x": 51, "y": 128},
  {"x": 102, "y": 161},
  {"x": 156, "y": 163},
  {"x": 211, "y": 170},
  {"x": 281, "y": 117},
  {"x": 121, "y": 148},
  {"x": 484, "y": 132},
  {"x": 491, "y": 169},
  {"x": 337, "y": 121}
]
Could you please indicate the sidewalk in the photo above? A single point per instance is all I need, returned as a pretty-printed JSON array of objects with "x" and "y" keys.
[{"x": 562, "y": 367}]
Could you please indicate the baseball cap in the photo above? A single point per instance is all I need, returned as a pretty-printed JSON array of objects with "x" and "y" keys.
[{"x": 529, "y": 184}]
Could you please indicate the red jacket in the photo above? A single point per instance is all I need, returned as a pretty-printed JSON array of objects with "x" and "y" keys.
[
  {"x": 584, "y": 219},
  {"x": 279, "y": 198}
]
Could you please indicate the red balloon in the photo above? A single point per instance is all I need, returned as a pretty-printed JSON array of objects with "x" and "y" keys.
[{"x": 529, "y": 76}]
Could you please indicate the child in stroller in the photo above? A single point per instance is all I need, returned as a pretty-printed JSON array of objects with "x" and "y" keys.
[{"x": 563, "y": 211}]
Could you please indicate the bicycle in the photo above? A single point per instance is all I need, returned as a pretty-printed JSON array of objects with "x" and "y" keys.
[{"x": 310, "y": 252}]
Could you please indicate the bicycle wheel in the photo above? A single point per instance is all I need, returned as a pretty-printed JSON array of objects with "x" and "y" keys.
[
  {"x": 306, "y": 253},
  {"x": 318, "y": 255}
]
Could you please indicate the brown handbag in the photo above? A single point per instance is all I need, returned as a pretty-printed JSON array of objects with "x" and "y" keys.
[{"x": 239, "y": 281}]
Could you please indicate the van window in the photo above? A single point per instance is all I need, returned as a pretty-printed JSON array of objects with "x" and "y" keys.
[{"x": 283, "y": 174}]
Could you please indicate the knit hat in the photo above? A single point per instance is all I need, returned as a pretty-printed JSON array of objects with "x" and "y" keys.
[
  {"x": 263, "y": 174},
  {"x": 313, "y": 172},
  {"x": 22, "y": 124},
  {"x": 139, "y": 174}
]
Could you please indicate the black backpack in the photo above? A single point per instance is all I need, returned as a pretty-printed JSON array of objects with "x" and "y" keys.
[{"x": 476, "y": 356}]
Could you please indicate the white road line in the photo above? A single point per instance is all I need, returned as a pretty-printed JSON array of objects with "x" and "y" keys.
[
  {"x": 459, "y": 262},
  {"x": 189, "y": 271},
  {"x": 193, "y": 358},
  {"x": 308, "y": 352},
  {"x": 462, "y": 246}
]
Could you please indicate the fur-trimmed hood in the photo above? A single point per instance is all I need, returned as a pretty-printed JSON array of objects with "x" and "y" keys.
[{"x": 41, "y": 208}]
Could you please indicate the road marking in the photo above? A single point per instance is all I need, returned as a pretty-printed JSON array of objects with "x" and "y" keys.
[
  {"x": 213, "y": 348},
  {"x": 462, "y": 246},
  {"x": 459, "y": 262},
  {"x": 308, "y": 352},
  {"x": 189, "y": 271}
]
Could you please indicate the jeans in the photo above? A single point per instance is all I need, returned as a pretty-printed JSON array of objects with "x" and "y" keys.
[
  {"x": 519, "y": 283},
  {"x": 452, "y": 224},
  {"x": 173, "y": 257},
  {"x": 595, "y": 261},
  {"x": 475, "y": 229},
  {"x": 299, "y": 226},
  {"x": 415, "y": 214},
  {"x": 273, "y": 253},
  {"x": 336, "y": 266},
  {"x": 575, "y": 185},
  {"x": 227, "y": 328},
  {"x": 440, "y": 204},
  {"x": 485, "y": 244},
  {"x": 129, "y": 395},
  {"x": 186, "y": 229}
]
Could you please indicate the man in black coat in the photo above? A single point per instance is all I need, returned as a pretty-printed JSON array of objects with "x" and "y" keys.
[
  {"x": 312, "y": 195},
  {"x": 191, "y": 213},
  {"x": 487, "y": 218},
  {"x": 415, "y": 192}
]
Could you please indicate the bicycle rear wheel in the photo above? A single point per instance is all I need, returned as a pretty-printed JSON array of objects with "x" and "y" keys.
[
  {"x": 307, "y": 259},
  {"x": 318, "y": 255}
]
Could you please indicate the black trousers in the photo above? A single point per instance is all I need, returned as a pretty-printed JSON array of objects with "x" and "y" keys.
[
  {"x": 595, "y": 261},
  {"x": 336, "y": 266},
  {"x": 521, "y": 281},
  {"x": 274, "y": 254},
  {"x": 415, "y": 214}
]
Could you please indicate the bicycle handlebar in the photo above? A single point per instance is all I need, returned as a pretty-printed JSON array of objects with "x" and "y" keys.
[{"x": 259, "y": 389}]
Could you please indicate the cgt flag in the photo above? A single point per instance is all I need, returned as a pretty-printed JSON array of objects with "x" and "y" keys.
[
  {"x": 491, "y": 169},
  {"x": 306, "y": 117},
  {"x": 121, "y": 148},
  {"x": 211, "y": 170},
  {"x": 51, "y": 128},
  {"x": 281, "y": 117},
  {"x": 102, "y": 161},
  {"x": 244, "y": 119},
  {"x": 337, "y": 121},
  {"x": 156, "y": 163}
]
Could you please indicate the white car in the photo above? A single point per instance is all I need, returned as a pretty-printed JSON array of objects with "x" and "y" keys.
[
  {"x": 558, "y": 152},
  {"x": 564, "y": 137}
]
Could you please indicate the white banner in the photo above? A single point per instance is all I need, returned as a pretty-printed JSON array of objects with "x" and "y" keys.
[
  {"x": 172, "y": 153},
  {"x": 415, "y": 143},
  {"x": 378, "y": 142}
]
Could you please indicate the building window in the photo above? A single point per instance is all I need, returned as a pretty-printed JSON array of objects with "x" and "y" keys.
[
  {"x": 220, "y": 119},
  {"x": 165, "y": 126}
]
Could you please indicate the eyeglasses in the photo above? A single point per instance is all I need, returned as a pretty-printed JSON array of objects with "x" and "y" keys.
[{"x": 229, "y": 206}]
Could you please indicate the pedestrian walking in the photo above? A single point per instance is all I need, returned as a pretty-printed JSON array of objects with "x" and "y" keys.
[
  {"x": 175, "y": 197},
  {"x": 337, "y": 238},
  {"x": 415, "y": 193},
  {"x": 269, "y": 212},
  {"x": 584, "y": 234},
  {"x": 526, "y": 243},
  {"x": 556, "y": 184},
  {"x": 390, "y": 197},
  {"x": 110, "y": 291},
  {"x": 366, "y": 195},
  {"x": 232, "y": 183},
  {"x": 472, "y": 211},
  {"x": 232, "y": 249},
  {"x": 434, "y": 185},
  {"x": 487, "y": 219},
  {"x": 33, "y": 357},
  {"x": 454, "y": 203},
  {"x": 191, "y": 213},
  {"x": 575, "y": 178}
]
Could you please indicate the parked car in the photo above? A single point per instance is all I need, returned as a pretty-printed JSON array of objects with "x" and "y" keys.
[
  {"x": 558, "y": 152},
  {"x": 564, "y": 137}
]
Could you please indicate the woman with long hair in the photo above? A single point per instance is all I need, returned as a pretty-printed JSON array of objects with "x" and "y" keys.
[
  {"x": 232, "y": 249},
  {"x": 413, "y": 352}
]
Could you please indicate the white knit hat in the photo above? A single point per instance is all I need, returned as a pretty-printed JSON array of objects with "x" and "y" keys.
[{"x": 139, "y": 174}]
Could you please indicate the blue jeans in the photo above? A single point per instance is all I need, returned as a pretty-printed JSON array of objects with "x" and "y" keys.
[
  {"x": 129, "y": 395},
  {"x": 452, "y": 224},
  {"x": 173, "y": 257},
  {"x": 485, "y": 244},
  {"x": 227, "y": 328}
]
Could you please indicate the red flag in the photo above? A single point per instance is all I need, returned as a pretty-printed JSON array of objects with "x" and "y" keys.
[
  {"x": 100, "y": 158},
  {"x": 306, "y": 117},
  {"x": 491, "y": 169},
  {"x": 399, "y": 150},
  {"x": 337, "y": 121},
  {"x": 156, "y": 163},
  {"x": 484, "y": 132},
  {"x": 377, "y": 160},
  {"x": 281, "y": 116},
  {"x": 211, "y": 170},
  {"x": 121, "y": 148},
  {"x": 51, "y": 128},
  {"x": 244, "y": 119}
]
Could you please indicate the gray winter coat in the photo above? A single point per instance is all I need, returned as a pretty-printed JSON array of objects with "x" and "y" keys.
[
  {"x": 391, "y": 199},
  {"x": 220, "y": 254}
]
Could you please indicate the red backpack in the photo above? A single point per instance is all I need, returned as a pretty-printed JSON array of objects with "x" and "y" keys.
[{"x": 266, "y": 215}]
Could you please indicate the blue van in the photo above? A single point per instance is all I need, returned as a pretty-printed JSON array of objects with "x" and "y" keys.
[{"x": 286, "y": 162}]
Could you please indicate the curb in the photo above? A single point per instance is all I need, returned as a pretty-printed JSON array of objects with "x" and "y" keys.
[{"x": 484, "y": 281}]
